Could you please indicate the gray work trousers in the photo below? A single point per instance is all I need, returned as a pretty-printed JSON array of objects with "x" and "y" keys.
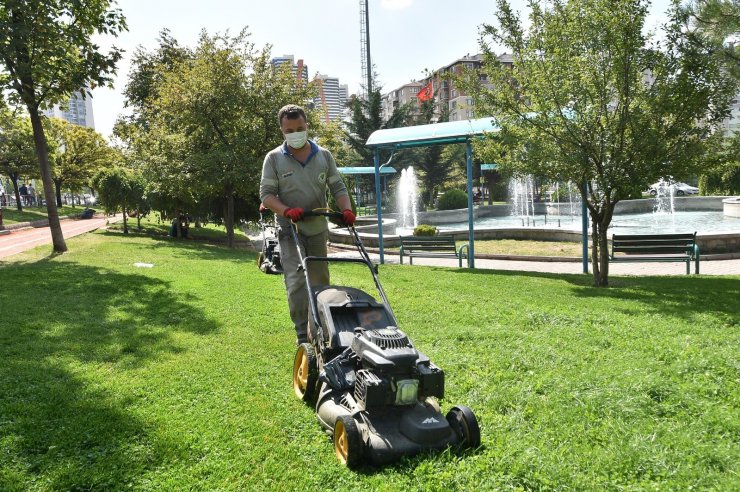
[{"x": 295, "y": 282}]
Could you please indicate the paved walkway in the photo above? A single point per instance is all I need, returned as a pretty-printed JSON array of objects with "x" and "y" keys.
[
  {"x": 20, "y": 240},
  {"x": 707, "y": 267}
]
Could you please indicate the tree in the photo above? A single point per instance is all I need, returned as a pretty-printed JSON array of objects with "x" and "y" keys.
[
  {"x": 77, "y": 153},
  {"x": 17, "y": 157},
  {"x": 590, "y": 101},
  {"x": 221, "y": 106},
  {"x": 712, "y": 24},
  {"x": 722, "y": 176},
  {"x": 48, "y": 54},
  {"x": 119, "y": 189}
]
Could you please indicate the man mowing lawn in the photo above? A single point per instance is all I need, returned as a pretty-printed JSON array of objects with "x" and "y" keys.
[{"x": 295, "y": 177}]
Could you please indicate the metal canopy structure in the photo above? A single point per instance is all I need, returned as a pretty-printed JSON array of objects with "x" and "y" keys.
[{"x": 451, "y": 132}]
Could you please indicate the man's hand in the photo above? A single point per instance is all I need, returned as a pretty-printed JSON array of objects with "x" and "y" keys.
[
  {"x": 348, "y": 217},
  {"x": 294, "y": 214},
  {"x": 263, "y": 209}
]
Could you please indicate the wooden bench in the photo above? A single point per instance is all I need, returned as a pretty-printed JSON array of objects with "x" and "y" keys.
[
  {"x": 432, "y": 247},
  {"x": 656, "y": 247}
]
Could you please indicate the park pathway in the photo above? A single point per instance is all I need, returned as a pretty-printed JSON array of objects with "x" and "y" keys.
[{"x": 20, "y": 240}]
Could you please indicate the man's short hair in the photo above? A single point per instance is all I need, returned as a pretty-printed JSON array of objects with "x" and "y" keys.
[{"x": 292, "y": 112}]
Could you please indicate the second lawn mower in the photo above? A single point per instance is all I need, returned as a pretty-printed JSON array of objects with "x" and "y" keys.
[
  {"x": 375, "y": 393},
  {"x": 269, "y": 258}
]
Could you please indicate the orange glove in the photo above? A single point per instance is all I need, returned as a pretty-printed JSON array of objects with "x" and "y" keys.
[
  {"x": 294, "y": 214},
  {"x": 348, "y": 217}
]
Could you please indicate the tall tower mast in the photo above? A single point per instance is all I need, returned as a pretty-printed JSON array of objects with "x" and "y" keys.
[{"x": 367, "y": 67}]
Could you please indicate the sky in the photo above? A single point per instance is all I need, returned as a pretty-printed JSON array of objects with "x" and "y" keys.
[{"x": 407, "y": 37}]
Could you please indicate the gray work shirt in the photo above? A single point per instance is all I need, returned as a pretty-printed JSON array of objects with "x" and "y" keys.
[{"x": 301, "y": 185}]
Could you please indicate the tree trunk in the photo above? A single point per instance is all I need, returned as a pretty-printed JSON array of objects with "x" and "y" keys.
[
  {"x": 125, "y": 223},
  {"x": 58, "y": 190},
  {"x": 18, "y": 204},
  {"x": 230, "y": 220},
  {"x": 138, "y": 221},
  {"x": 599, "y": 250},
  {"x": 57, "y": 237}
]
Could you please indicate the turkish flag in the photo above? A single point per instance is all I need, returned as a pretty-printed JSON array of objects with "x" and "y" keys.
[{"x": 425, "y": 93}]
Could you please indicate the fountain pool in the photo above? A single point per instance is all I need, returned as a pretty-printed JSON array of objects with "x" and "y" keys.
[{"x": 702, "y": 222}]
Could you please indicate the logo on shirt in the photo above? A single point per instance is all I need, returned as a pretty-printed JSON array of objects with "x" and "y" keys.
[
  {"x": 322, "y": 178},
  {"x": 287, "y": 175}
]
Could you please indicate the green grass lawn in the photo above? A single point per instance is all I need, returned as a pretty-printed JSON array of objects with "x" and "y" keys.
[
  {"x": 29, "y": 214},
  {"x": 178, "y": 377},
  {"x": 153, "y": 225}
]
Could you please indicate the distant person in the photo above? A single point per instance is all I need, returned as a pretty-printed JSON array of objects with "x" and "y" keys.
[
  {"x": 31, "y": 195},
  {"x": 23, "y": 190},
  {"x": 3, "y": 198}
]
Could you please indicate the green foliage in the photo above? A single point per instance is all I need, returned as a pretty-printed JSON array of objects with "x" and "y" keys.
[
  {"x": 714, "y": 25},
  {"x": 178, "y": 376},
  {"x": 425, "y": 230},
  {"x": 576, "y": 104},
  {"x": 366, "y": 118},
  {"x": 76, "y": 153},
  {"x": 121, "y": 189},
  {"x": 453, "y": 200},
  {"x": 17, "y": 157},
  {"x": 723, "y": 163},
  {"x": 204, "y": 121}
]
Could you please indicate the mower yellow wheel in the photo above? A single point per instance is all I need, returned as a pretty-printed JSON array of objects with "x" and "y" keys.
[
  {"x": 305, "y": 372},
  {"x": 347, "y": 441}
]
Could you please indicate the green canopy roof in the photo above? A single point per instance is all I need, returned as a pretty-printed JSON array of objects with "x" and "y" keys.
[
  {"x": 432, "y": 134},
  {"x": 365, "y": 170}
]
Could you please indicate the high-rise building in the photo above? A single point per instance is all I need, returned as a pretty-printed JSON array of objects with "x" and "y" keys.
[
  {"x": 78, "y": 110},
  {"x": 298, "y": 68},
  {"x": 332, "y": 97}
]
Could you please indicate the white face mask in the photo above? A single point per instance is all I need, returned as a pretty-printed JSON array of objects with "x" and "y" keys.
[{"x": 296, "y": 139}]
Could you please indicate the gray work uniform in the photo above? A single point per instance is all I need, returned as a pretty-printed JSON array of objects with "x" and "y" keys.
[{"x": 301, "y": 185}]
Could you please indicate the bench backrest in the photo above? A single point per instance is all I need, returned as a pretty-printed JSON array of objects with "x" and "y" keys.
[
  {"x": 653, "y": 243},
  {"x": 428, "y": 243}
]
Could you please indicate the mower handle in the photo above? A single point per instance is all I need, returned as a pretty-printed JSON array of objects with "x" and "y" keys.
[{"x": 329, "y": 214}]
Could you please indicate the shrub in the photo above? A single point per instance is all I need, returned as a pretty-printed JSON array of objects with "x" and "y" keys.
[
  {"x": 425, "y": 230},
  {"x": 453, "y": 199}
]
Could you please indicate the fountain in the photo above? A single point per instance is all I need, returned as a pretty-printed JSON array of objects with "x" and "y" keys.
[
  {"x": 664, "y": 193},
  {"x": 407, "y": 199},
  {"x": 521, "y": 192}
]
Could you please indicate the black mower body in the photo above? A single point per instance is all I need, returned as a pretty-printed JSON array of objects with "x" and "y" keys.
[{"x": 375, "y": 393}]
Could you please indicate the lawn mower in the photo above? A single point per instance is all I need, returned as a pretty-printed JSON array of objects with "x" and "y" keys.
[
  {"x": 375, "y": 393},
  {"x": 269, "y": 258}
]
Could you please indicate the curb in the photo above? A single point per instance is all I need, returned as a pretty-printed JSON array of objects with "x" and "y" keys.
[{"x": 34, "y": 224}]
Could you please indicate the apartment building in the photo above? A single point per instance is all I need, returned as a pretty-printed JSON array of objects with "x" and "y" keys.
[
  {"x": 78, "y": 110},
  {"x": 405, "y": 94},
  {"x": 444, "y": 92}
]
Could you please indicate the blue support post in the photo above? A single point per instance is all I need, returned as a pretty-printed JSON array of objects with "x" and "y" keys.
[
  {"x": 584, "y": 228},
  {"x": 378, "y": 191},
  {"x": 471, "y": 230}
]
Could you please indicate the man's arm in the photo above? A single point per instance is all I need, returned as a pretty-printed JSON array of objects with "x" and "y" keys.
[{"x": 344, "y": 203}]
